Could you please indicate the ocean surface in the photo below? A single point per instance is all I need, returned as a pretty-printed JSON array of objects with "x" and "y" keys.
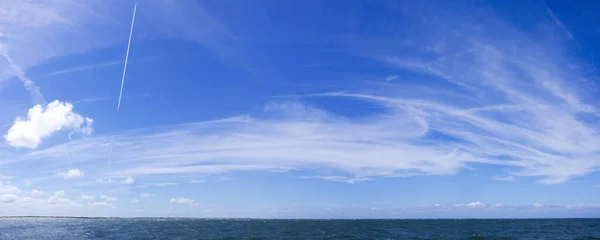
[{"x": 174, "y": 228}]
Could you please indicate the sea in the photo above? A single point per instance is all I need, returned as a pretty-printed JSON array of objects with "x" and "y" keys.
[{"x": 178, "y": 228}]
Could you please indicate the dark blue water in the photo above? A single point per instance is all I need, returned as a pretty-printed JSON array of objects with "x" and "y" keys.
[{"x": 155, "y": 228}]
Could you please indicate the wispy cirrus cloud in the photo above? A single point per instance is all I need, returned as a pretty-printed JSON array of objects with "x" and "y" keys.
[
  {"x": 336, "y": 178},
  {"x": 93, "y": 66},
  {"x": 511, "y": 105},
  {"x": 558, "y": 22},
  {"x": 392, "y": 77},
  {"x": 19, "y": 72},
  {"x": 33, "y": 33},
  {"x": 82, "y": 68},
  {"x": 428, "y": 138},
  {"x": 41, "y": 30}
]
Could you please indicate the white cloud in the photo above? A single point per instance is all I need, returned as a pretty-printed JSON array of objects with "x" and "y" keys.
[
  {"x": 513, "y": 109},
  {"x": 19, "y": 72},
  {"x": 108, "y": 198},
  {"x": 476, "y": 205},
  {"x": 86, "y": 197},
  {"x": 59, "y": 198},
  {"x": 72, "y": 173},
  {"x": 180, "y": 200},
  {"x": 165, "y": 184},
  {"x": 100, "y": 204},
  {"x": 145, "y": 195},
  {"x": 504, "y": 178},
  {"x": 84, "y": 67},
  {"x": 27, "y": 183},
  {"x": 100, "y": 180},
  {"x": 129, "y": 180},
  {"x": 43, "y": 122},
  {"x": 5, "y": 177},
  {"x": 134, "y": 201},
  {"x": 36, "y": 192},
  {"x": 559, "y": 23},
  {"x": 582, "y": 206},
  {"x": 336, "y": 178},
  {"x": 500, "y": 207},
  {"x": 391, "y": 77},
  {"x": 7, "y": 188},
  {"x": 8, "y": 198},
  {"x": 55, "y": 26}
]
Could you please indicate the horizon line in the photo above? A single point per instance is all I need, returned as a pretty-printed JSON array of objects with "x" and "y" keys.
[{"x": 324, "y": 219}]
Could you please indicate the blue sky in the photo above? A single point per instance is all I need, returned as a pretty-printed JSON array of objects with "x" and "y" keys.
[{"x": 300, "y": 109}]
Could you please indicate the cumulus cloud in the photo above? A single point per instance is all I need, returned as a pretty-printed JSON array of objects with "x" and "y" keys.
[
  {"x": 146, "y": 195},
  {"x": 129, "y": 180},
  {"x": 108, "y": 198},
  {"x": 134, "y": 201},
  {"x": 7, "y": 188},
  {"x": 8, "y": 198},
  {"x": 180, "y": 200},
  {"x": 59, "y": 197},
  {"x": 27, "y": 183},
  {"x": 86, "y": 197},
  {"x": 36, "y": 192},
  {"x": 476, "y": 205},
  {"x": 72, "y": 173},
  {"x": 43, "y": 122}
]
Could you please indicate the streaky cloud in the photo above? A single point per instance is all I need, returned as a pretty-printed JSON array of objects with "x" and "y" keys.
[
  {"x": 126, "y": 56},
  {"x": 30, "y": 86},
  {"x": 82, "y": 68},
  {"x": 509, "y": 103}
]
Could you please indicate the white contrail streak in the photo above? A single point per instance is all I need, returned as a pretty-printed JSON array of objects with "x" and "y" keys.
[
  {"x": 30, "y": 86},
  {"x": 126, "y": 57}
]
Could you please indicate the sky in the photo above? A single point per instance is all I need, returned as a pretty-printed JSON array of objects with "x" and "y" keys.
[{"x": 300, "y": 109}]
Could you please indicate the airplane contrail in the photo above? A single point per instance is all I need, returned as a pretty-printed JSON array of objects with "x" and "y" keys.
[
  {"x": 30, "y": 86},
  {"x": 126, "y": 57}
]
